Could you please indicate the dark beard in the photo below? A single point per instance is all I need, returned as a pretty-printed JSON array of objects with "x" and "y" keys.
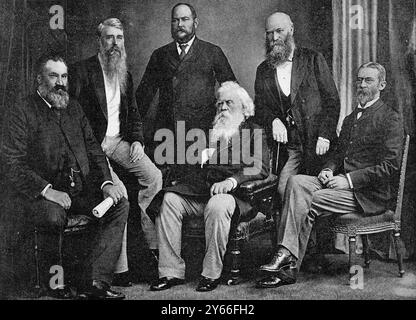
[
  {"x": 364, "y": 96},
  {"x": 279, "y": 52},
  {"x": 115, "y": 65},
  {"x": 57, "y": 98}
]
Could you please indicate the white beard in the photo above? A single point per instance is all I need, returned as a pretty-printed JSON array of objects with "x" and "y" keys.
[{"x": 224, "y": 129}]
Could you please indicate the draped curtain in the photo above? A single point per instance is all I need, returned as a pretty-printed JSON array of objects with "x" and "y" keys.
[{"x": 382, "y": 31}]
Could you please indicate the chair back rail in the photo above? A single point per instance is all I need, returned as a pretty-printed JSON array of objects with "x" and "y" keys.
[{"x": 402, "y": 179}]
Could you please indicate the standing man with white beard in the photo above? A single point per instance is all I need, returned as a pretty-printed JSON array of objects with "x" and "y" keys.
[
  {"x": 205, "y": 192},
  {"x": 104, "y": 88},
  {"x": 296, "y": 100}
]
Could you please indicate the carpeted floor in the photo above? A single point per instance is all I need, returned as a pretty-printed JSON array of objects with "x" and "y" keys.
[{"x": 381, "y": 281}]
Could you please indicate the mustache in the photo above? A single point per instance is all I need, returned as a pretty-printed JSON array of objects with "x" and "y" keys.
[{"x": 60, "y": 87}]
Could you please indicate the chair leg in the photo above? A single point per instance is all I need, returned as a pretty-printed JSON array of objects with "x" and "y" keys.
[
  {"x": 399, "y": 251},
  {"x": 36, "y": 247},
  {"x": 366, "y": 249},
  {"x": 352, "y": 246},
  {"x": 235, "y": 272}
]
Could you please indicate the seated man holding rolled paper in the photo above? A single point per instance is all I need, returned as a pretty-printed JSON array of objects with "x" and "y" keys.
[
  {"x": 238, "y": 153},
  {"x": 55, "y": 168}
]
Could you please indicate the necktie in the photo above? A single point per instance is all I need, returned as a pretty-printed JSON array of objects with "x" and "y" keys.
[
  {"x": 183, "y": 52},
  {"x": 359, "y": 111}
]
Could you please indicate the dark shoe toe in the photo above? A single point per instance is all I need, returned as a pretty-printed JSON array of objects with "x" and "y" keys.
[
  {"x": 207, "y": 284},
  {"x": 165, "y": 283}
]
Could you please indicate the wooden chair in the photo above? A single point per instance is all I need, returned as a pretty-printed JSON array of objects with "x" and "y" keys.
[
  {"x": 77, "y": 225},
  {"x": 262, "y": 195},
  {"x": 356, "y": 224}
]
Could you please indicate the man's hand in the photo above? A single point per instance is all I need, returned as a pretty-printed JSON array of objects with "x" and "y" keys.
[
  {"x": 221, "y": 187},
  {"x": 339, "y": 182},
  {"x": 59, "y": 197},
  {"x": 136, "y": 151},
  {"x": 115, "y": 192},
  {"x": 279, "y": 131},
  {"x": 325, "y": 175},
  {"x": 322, "y": 147}
]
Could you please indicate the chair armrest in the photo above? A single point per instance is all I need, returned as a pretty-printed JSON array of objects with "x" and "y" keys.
[{"x": 255, "y": 186}]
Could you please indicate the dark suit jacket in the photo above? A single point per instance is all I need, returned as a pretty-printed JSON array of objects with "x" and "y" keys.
[
  {"x": 187, "y": 88},
  {"x": 200, "y": 180},
  {"x": 86, "y": 84},
  {"x": 32, "y": 149},
  {"x": 370, "y": 150},
  {"x": 314, "y": 98}
]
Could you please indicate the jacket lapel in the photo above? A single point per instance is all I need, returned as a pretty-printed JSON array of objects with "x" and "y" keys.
[
  {"x": 271, "y": 85},
  {"x": 192, "y": 54},
  {"x": 97, "y": 79},
  {"x": 173, "y": 56},
  {"x": 298, "y": 73},
  {"x": 370, "y": 110}
]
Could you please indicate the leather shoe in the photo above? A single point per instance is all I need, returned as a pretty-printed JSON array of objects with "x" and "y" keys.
[
  {"x": 275, "y": 280},
  {"x": 207, "y": 284},
  {"x": 100, "y": 290},
  {"x": 280, "y": 261},
  {"x": 122, "y": 280},
  {"x": 61, "y": 293},
  {"x": 165, "y": 283}
]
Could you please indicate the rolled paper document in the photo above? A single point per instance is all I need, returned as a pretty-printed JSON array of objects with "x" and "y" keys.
[{"x": 103, "y": 207}]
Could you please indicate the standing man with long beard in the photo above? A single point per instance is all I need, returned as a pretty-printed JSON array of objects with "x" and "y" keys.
[
  {"x": 296, "y": 100},
  {"x": 185, "y": 73},
  {"x": 104, "y": 88}
]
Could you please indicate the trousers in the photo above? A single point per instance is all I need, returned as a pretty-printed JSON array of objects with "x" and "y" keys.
[
  {"x": 149, "y": 177},
  {"x": 305, "y": 199},
  {"x": 50, "y": 218},
  {"x": 217, "y": 213}
]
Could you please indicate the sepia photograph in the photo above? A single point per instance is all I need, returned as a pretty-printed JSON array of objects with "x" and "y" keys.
[{"x": 207, "y": 157}]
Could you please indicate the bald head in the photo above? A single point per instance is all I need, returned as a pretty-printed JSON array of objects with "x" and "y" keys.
[
  {"x": 279, "y": 20},
  {"x": 280, "y": 44}
]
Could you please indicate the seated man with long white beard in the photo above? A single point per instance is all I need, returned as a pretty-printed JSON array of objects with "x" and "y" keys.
[{"x": 239, "y": 153}]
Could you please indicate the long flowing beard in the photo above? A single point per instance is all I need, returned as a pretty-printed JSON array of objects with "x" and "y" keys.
[
  {"x": 224, "y": 128},
  {"x": 57, "y": 98},
  {"x": 115, "y": 66},
  {"x": 280, "y": 51}
]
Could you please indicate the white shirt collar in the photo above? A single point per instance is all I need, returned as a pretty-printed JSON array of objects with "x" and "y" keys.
[
  {"x": 49, "y": 105},
  {"x": 189, "y": 44},
  {"x": 369, "y": 103}
]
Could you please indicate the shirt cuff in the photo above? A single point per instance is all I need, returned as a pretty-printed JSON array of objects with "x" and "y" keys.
[
  {"x": 235, "y": 184},
  {"x": 45, "y": 189},
  {"x": 141, "y": 143},
  {"x": 349, "y": 181},
  {"x": 324, "y": 139},
  {"x": 105, "y": 183}
]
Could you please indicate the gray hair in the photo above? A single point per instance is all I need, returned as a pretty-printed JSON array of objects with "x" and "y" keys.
[
  {"x": 246, "y": 102},
  {"x": 374, "y": 65},
  {"x": 111, "y": 22}
]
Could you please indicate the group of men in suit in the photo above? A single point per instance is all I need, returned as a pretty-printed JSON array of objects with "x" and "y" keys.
[{"x": 56, "y": 147}]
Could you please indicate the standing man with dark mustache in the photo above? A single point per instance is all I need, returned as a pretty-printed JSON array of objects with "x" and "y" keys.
[
  {"x": 185, "y": 73},
  {"x": 104, "y": 88},
  {"x": 296, "y": 100}
]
